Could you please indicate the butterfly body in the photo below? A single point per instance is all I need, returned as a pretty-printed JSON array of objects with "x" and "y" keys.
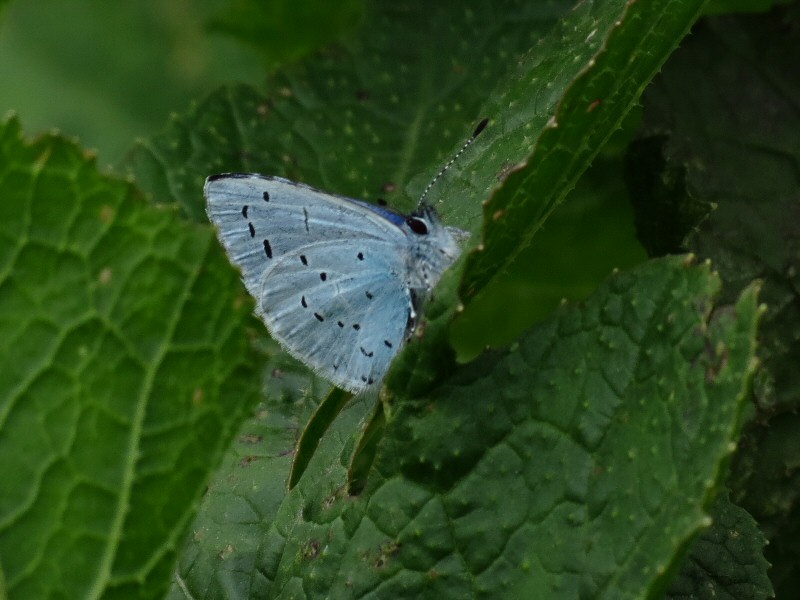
[{"x": 337, "y": 281}]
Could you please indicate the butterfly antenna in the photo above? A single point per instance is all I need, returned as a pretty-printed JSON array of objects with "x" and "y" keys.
[{"x": 466, "y": 145}]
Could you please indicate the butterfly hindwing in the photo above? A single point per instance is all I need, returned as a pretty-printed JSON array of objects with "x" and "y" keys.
[{"x": 341, "y": 307}]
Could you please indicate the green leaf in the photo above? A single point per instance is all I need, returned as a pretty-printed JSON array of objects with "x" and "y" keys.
[
  {"x": 246, "y": 508},
  {"x": 593, "y": 68},
  {"x": 739, "y": 156},
  {"x": 766, "y": 477},
  {"x": 724, "y": 115},
  {"x": 726, "y": 561},
  {"x": 124, "y": 373},
  {"x": 579, "y": 461}
]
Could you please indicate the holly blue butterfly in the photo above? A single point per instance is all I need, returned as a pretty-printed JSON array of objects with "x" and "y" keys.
[{"x": 338, "y": 282}]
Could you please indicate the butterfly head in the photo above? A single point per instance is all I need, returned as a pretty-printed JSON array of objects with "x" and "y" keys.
[{"x": 434, "y": 247}]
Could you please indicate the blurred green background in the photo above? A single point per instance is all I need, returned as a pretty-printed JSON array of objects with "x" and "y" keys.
[{"x": 109, "y": 72}]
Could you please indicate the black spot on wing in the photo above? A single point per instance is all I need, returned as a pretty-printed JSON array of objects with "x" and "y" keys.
[
  {"x": 303, "y": 259},
  {"x": 319, "y": 317},
  {"x": 356, "y": 326},
  {"x": 323, "y": 276},
  {"x": 267, "y": 249},
  {"x": 360, "y": 256},
  {"x": 388, "y": 343},
  {"x": 340, "y": 324},
  {"x": 365, "y": 353},
  {"x": 252, "y": 230},
  {"x": 303, "y": 301},
  {"x": 266, "y": 196},
  {"x": 244, "y": 211},
  {"x": 370, "y": 296}
]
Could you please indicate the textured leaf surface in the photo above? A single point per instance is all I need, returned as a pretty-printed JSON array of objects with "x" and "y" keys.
[
  {"x": 742, "y": 157},
  {"x": 123, "y": 373},
  {"x": 723, "y": 120},
  {"x": 576, "y": 463},
  {"x": 221, "y": 555},
  {"x": 726, "y": 561},
  {"x": 583, "y": 79},
  {"x": 242, "y": 527}
]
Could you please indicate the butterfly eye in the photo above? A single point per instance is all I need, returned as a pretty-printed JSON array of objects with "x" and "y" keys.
[{"x": 418, "y": 226}]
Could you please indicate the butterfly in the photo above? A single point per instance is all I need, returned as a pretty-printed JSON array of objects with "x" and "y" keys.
[{"x": 338, "y": 282}]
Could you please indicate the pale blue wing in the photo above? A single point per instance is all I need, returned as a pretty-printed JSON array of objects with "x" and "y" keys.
[
  {"x": 260, "y": 219},
  {"x": 342, "y": 307},
  {"x": 328, "y": 273}
]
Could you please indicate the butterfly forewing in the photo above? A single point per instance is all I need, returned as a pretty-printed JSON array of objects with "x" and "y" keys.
[{"x": 260, "y": 219}]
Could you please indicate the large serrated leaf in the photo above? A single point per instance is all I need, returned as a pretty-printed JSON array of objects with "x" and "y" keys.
[
  {"x": 726, "y": 561},
  {"x": 579, "y": 462},
  {"x": 121, "y": 377},
  {"x": 722, "y": 121}
]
